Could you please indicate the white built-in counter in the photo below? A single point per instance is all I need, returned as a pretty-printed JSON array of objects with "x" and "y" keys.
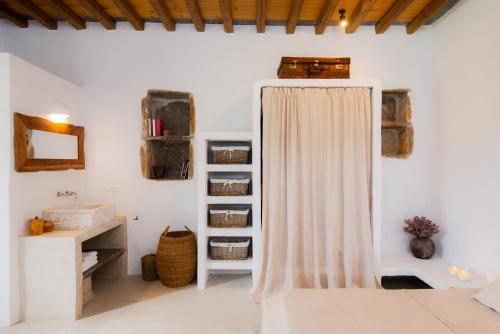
[
  {"x": 434, "y": 272},
  {"x": 52, "y": 281}
]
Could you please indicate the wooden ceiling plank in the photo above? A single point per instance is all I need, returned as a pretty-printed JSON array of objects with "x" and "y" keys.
[
  {"x": 99, "y": 13},
  {"x": 227, "y": 15},
  {"x": 194, "y": 11},
  {"x": 445, "y": 9},
  {"x": 164, "y": 14},
  {"x": 13, "y": 17},
  {"x": 261, "y": 16},
  {"x": 425, "y": 15},
  {"x": 293, "y": 16},
  {"x": 359, "y": 14},
  {"x": 68, "y": 14},
  {"x": 392, "y": 15},
  {"x": 325, "y": 16},
  {"x": 38, "y": 14},
  {"x": 130, "y": 13}
]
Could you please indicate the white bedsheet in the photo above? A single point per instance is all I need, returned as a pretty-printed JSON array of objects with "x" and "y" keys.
[{"x": 361, "y": 311}]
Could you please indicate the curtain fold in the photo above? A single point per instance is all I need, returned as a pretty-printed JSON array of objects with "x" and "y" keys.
[{"x": 316, "y": 191}]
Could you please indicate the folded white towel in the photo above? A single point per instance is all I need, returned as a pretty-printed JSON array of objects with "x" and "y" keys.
[
  {"x": 89, "y": 259},
  {"x": 89, "y": 254},
  {"x": 87, "y": 264}
]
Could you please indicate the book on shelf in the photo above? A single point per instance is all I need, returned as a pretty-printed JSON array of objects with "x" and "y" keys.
[{"x": 155, "y": 127}]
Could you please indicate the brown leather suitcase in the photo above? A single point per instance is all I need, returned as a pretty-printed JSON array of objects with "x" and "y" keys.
[{"x": 314, "y": 68}]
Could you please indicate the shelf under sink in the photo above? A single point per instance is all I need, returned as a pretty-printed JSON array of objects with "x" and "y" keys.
[{"x": 104, "y": 256}]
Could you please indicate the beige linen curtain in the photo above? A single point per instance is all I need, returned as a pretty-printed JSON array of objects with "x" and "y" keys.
[{"x": 316, "y": 192}]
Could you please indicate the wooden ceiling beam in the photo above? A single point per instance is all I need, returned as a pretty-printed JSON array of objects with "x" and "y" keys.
[
  {"x": 164, "y": 14},
  {"x": 425, "y": 15},
  {"x": 293, "y": 16},
  {"x": 261, "y": 16},
  {"x": 359, "y": 15},
  {"x": 194, "y": 11},
  {"x": 99, "y": 13},
  {"x": 130, "y": 13},
  {"x": 227, "y": 15},
  {"x": 12, "y": 16},
  {"x": 38, "y": 14},
  {"x": 68, "y": 14},
  {"x": 325, "y": 16},
  {"x": 392, "y": 15}
]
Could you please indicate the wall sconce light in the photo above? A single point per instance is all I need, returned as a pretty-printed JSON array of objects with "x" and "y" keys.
[
  {"x": 58, "y": 112},
  {"x": 342, "y": 19},
  {"x": 58, "y": 118}
]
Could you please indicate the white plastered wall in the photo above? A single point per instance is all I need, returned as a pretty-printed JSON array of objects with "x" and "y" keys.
[
  {"x": 466, "y": 163},
  {"x": 115, "y": 69},
  {"x": 36, "y": 92},
  {"x": 5, "y": 228}
]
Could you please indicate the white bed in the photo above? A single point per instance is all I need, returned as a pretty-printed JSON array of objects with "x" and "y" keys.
[{"x": 361, "y": 311}]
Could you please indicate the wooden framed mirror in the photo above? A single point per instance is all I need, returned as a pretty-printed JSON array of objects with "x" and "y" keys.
[{"x": 41, "y": 145}]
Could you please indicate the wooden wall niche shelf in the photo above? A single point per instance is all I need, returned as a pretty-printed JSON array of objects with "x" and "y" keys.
[
  {"x": 26, "y": 151},
  {"x": 167, "y": 154},
  {"x": 397, "y": 130}
]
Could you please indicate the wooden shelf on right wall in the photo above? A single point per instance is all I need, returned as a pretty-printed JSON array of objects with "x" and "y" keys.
[{"x": 397, "y": 129}]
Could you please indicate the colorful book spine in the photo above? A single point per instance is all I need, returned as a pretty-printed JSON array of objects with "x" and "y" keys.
[
  {"x": 158, "y": 127},
  {"x": 155, "y": 127}
]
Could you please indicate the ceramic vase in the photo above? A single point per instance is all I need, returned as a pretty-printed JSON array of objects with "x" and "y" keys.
[{"x": 422, "y": 248}]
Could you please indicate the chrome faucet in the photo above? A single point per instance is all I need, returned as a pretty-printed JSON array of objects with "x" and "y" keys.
[{"x": 68, "y": 193}]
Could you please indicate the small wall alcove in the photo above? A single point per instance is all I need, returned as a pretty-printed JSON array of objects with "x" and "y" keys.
[
  {"x": 397, "y": 130},
  {"x": 168, "y": 125}
]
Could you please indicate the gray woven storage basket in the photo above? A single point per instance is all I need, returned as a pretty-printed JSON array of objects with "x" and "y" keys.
[
  {"x": 230, "y": 154},
  {"x": 229, "y": 218},
  {"x": 229, "y": 249},
  {"x": 229, "y": 187}
]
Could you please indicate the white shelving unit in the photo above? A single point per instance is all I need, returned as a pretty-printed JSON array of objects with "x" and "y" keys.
[
  {"x": 230, "y": 200},
  {"x": 205, "y": 264}
]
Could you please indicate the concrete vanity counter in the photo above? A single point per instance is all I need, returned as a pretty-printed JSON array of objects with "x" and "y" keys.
[{"x": 51, "y": 268}]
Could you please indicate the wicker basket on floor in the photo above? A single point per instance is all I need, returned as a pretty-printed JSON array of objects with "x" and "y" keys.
[
  {"x": 229, "y": 249},
  {"x": 230, "y": 154},
  {"x": 176, "y": 258},
  {"x": 148, "y": 263},
  {"x": 229, "y": 187},
  {"x": 229, "y": 218}
]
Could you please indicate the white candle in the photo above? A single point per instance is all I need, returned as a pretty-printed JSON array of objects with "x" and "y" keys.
[
  {"x": 463, "y": 275},
  {"x": 453, "y": 270}
]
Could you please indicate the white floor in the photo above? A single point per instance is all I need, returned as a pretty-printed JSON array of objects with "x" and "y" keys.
[{"x": 134, "y": 306}]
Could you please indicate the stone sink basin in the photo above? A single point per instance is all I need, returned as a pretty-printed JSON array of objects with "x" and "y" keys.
[{"x": 79, "y": 216}]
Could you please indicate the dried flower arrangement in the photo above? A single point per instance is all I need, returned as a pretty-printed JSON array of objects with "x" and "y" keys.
[{"x": 421, "y": 227}]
